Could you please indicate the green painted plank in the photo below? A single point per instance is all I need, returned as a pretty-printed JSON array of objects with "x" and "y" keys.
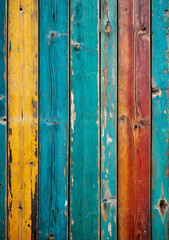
[
  {"x": 108, "y": 119},
  {"x": 53, "y": 108},
  {"x": 160, "y": 122},
  {"x": 2, "y": 117},
  {"x": 84, "y": 139}
]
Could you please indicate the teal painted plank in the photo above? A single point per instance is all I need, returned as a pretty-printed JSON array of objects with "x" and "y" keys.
[
  {"x": 108, "y": 119},
  {"x": 160, "y": 122},
  {"x": 84, "y": 139},
  {"x": 53, "y": 108},
  {"x": 2, "y": 117}
]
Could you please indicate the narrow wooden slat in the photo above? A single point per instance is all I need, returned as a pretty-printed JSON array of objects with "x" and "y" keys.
[
  {"x": 134, "y": 121},
  {"x": 53, "y": 95},
  {"x": 126, "y": 111},
  {"x": 3, "y": 38},
  {"x": 22, "y": 113},
  {"x": 142, "y": 121},
  {"x": 160, "y": 162},
  {"x": 108, "y": 119},
  {"x": 84, "y": 145}
]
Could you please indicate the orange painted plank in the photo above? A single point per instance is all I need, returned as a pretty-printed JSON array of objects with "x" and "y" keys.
[{"x": 134, "y": 107}]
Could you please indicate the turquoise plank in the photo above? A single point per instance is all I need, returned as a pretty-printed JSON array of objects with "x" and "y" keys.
[
  {"x": 160, "y": 122},
  {"x": 53, "y": 120},
  {"x": 108, "y": 119},
  {"x": 2, "y": 117},
  {"x": 84, "y": 139}
]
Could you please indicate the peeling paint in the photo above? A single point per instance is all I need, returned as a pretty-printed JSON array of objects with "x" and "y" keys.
[{"x": 73, "y": 113}]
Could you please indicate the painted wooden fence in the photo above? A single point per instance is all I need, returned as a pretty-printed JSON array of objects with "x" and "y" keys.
[{"x": 84, "y": 119}]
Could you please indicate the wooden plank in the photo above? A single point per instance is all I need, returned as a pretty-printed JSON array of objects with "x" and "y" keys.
[
  {"x": 3, "y": 39},
  {"x": 23, "y": 121},
  {"x": 126, "y": 111},
  {"x": 160, "y": 162},
  {"x": 53, "y": 92},
  {"x": 134, "y": 120},
  {"x": 142, "y": 121},
  {"x": 84, "y": 145},
  {"x": 108, "y": 119}
]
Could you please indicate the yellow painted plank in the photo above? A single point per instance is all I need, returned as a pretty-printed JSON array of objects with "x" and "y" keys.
[{"x": 22, "y": 119}]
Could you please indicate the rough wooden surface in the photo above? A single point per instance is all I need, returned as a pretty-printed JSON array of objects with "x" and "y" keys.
[
  {"x": 160, "y": 162},
  {"x": 84, "y": 145},
  {"x": 22, "y": 113},
  {"x": 134, "y": 108},
  {"x": 3, "y": 117},
  {"x": 108, "y": 119},
  {"x": 53, "y": 110},
  {"x": 126, "y": 111}
]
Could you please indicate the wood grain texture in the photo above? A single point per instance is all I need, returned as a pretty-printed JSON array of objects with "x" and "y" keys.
[
  {"x": 84, "y": 145},
  {"x": 53, "y": 95},
  {"x": 3, "y": 66},
  {"x": 108, "y": 119},
  {"x": 142, "y": 120},
  {"x": 134, "y": 120},
  {"x": 126, "y": 112},
  {"x": 160, "y": 162},
  {"x": 23, "y": 121}
]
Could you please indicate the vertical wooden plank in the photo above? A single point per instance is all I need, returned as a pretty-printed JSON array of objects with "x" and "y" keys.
[
  {"x": 3, "y": 38},
  {"x": 84, "y": 145},
  {"x": 142, "y": 121},
  {"x": 160, "y": 162},
  {"x": 22, "y": 113},
  {"x": 53, "y": 93},
  {"x": 108, "y": 119},
  {"x": 126, "y": 111},
  {"x": 134, "y": 121}
]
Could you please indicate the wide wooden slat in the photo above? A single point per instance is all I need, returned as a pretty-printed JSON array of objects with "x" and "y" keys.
[
  {"x": 23, "y": 121},
  {"x": 134, "y": 120},
  {"x": 53, "y": 107},
  {"x": 84, "y": 140},
  {"x": 126, "y": 111},
  {"x": 160, "y": 122},
  {"x": 3, "y": 38},
  {"x": 108, "y": 119},
  {"x": 142, "y": 120}
]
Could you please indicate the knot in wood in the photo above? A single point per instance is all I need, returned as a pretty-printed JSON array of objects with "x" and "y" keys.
[
  {"x": 21, "y": 9},
  {"x": 142, "y": 30},
  {"x": 76, "y": 45},
  {"x": 122, "y": 117},
  {"x": 107, "y": 28},
  {"x": 51, "y": 236}
]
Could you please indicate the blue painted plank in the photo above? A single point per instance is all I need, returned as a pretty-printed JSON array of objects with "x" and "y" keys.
[
  {"x": 84, "y": 139},
  {"x": 2, "y": 117},
  {"x": 160, "y": 122},
  {"x": 53, "y": 107},
  {"x": 108, "y": 119}
]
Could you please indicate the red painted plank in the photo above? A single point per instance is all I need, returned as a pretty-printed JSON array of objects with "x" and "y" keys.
[{"x": 142, "y": 119}]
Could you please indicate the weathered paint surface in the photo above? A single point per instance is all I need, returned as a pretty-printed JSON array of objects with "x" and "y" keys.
[
  {"x": 160, "y": 162},
  {"x": 53, "y": 107},
  {"x": 84, "y": 145},
  {"x": 134, "y": 108},
  {"x": 22, "y": 113},
  {"x": 2, "y": 117},
  {"x": 108, "y": 119}
]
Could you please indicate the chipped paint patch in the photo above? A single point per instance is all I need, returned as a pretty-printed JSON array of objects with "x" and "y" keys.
[
  {"x": 73, "y": 113},
  {"x": 109, "y": 139},
  {"x": 110, "y": 229}
]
